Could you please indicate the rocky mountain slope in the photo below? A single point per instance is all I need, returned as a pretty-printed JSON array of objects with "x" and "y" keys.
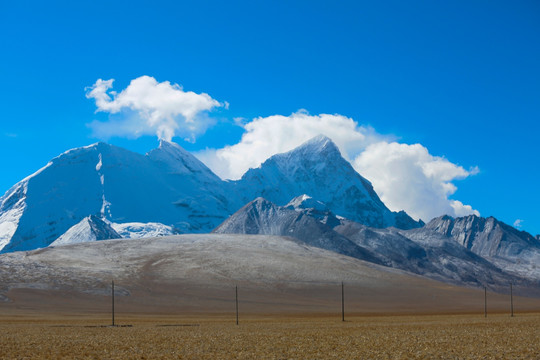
[
  {"x": 514, "y": 250},
  {"x": 265, "y": 218},
  {"x": 421, "y": 251}
]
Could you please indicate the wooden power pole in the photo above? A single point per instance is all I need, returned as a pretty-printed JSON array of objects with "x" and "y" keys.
[
  {"x": 485, "y": 301},
  {"x": 342, "y": 302},
  {"x": 236, "y": 291},
  {"x": 113, "y": 303},
  {"x": 511, "y": 301}
]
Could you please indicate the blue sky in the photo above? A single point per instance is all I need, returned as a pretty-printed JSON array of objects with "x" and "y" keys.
[{"x": 460, "y": 78}]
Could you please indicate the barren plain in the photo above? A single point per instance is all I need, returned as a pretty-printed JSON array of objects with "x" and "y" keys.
[{"x": 275, "y": 337}]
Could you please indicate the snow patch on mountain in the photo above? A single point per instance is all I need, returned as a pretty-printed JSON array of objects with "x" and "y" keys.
[
  {"x": 306, "y": 202},
  {"x": 116, "y": 184},
  {"x": 315, "y": 209},
  {"x": 136, "y": 230}
]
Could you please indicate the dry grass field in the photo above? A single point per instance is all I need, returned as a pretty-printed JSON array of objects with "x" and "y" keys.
[{"x": 272, "y": 337}]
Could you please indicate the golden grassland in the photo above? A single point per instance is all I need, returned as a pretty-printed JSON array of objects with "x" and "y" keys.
[{"x": 470, "y": 336}]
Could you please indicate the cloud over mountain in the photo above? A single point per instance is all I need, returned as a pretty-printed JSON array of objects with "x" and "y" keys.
[
  {"x": 409, "y": 177},
  {"x": 267, "y": 136},
  {"x": 149, "y": 107}
]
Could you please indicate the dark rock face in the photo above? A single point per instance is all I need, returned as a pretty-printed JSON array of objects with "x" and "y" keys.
[
  {"x": 265, "y": 218},
  {"x": 486, "y": 237},
  {"x": 425, "y": 251}
]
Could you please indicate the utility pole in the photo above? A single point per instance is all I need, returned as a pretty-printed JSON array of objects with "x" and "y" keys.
[
  {"x": 485, "y": 301},
  {"x": 342, "y": 302},
  {"x": 113, "y": 303},
  {"x": 236, "y": 291},
  {"x": 511, "y": 301}
]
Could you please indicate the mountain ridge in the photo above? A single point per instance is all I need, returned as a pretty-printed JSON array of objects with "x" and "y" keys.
[
  {"x": 170, "y": 186},
  {"x": 422, "y": 251}
]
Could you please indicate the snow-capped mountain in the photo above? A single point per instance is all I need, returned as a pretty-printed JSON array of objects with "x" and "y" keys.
[
  {"x": 317, "y": 168},
  {"x": 169, "y": 186},
  {"x": 91, "y": 228}
]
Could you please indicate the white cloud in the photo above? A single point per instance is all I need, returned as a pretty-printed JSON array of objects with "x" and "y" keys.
[
  {"x": 267, "y": 136},
  {"x": 408, "y": 177},
  {"x": 147, "y": 107},
  {"x": 518, "y": 223}
]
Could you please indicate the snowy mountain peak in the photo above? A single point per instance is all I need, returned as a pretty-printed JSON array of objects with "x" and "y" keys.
[
  {"x": 75, "y": 152},
  {"x": 172, "y": 147},
  {"x": 318, "y": 169},
  {"x": 260, "y": 203},
  {"x": 91, "y": 228},
  {"x": 320, "y": 149},
  {"x": 176, "y": 159},
  {"x": 319, "y": 143}
]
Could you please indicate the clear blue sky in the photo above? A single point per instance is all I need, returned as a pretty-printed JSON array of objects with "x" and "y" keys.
[{"x": 460, "y": 77}]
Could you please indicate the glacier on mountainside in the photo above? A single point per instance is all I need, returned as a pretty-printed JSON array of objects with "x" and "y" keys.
[{"x": 137, "y": 230}]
